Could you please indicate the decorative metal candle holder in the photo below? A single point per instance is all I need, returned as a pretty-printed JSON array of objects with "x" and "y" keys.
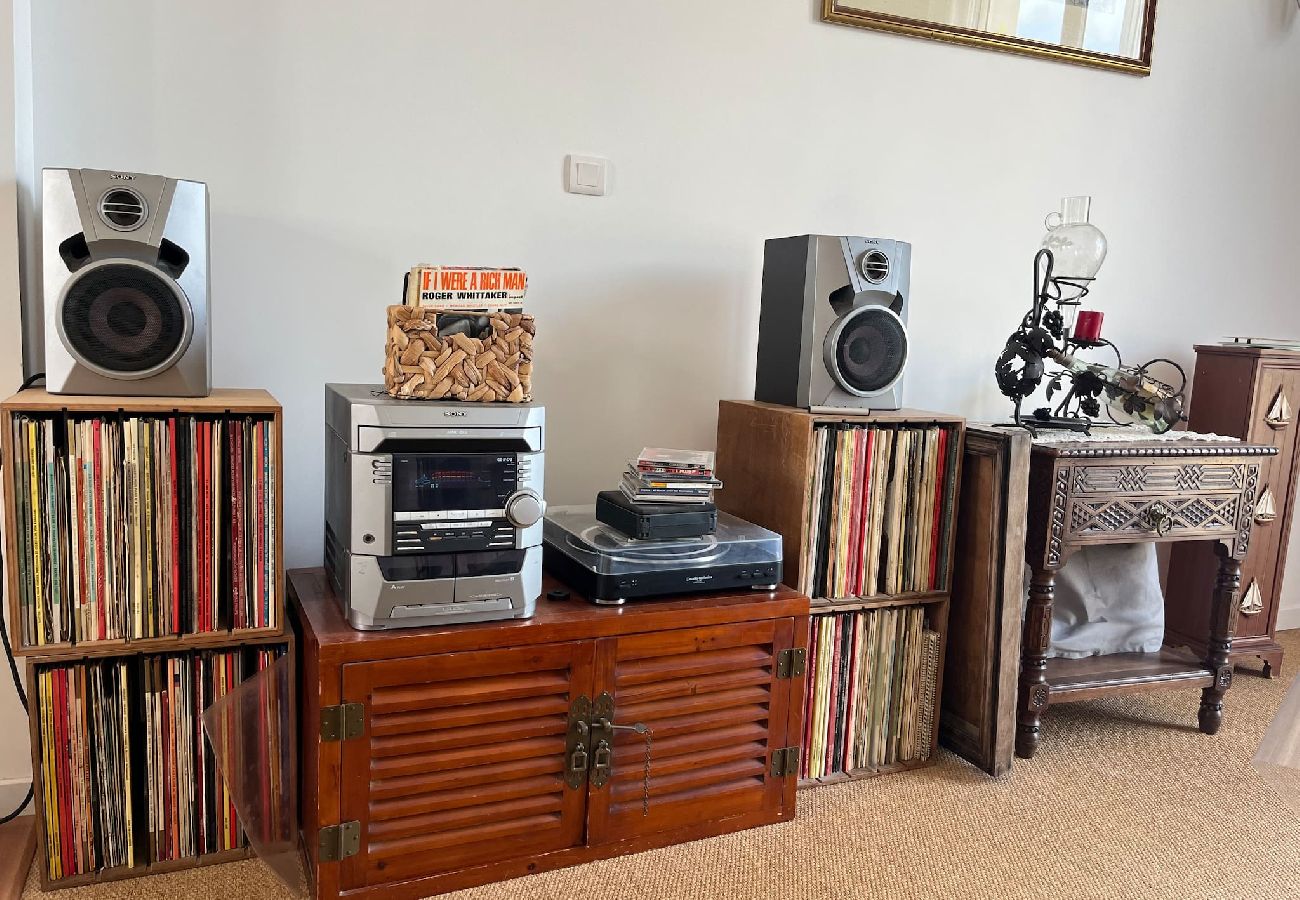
[{"x": 1044, "y": 336}]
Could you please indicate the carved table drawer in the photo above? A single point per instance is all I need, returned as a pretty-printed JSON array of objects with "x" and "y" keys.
[
  {"x": 1150, "y": 501},
  {"x": 1145, "y": 517}
]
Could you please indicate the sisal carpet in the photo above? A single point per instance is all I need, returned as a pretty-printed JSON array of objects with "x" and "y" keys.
[{"x": 1125, "y": 799}]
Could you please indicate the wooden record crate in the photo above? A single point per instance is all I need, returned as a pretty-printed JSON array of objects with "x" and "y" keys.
[
  {"x": 35, "y": 663},
  {"x": 765, "y": 459},
  {"x": 221, "y": 402}
]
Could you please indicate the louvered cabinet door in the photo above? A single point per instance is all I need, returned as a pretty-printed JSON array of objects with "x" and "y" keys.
[
  {"x": 461, "y": 761},
  {"x": 716, "y": 710}
]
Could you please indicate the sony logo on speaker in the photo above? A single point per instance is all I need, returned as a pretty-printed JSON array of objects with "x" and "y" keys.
[
  {"x": 456, "y": 413},
  {"x": 121, "y": 176}
]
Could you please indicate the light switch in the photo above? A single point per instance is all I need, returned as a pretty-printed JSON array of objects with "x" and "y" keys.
[{"x": 587, "y": 175}]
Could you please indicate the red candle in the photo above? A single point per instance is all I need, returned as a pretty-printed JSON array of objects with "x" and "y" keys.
[{"x": 1088, "y": 326}]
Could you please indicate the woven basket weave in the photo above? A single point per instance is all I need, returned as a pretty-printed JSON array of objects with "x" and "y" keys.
[{"x": 488, "y": 357}]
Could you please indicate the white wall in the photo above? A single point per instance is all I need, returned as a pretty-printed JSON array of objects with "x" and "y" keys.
[
  {"x": 15, "y": 758},
  {"x": 344, "y": 142}
]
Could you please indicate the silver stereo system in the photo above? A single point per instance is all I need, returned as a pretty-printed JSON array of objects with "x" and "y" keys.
[
  {"x": 433, "y": 511},
  {"x": 125, "y": 263},
  {"x": 832, "y": 331}
]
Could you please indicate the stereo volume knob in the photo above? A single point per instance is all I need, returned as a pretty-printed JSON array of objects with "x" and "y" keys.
[{"x": 524, "y": 509}]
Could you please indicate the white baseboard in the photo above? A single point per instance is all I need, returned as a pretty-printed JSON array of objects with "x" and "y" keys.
[
  {"x": 12, "y": 791},
  {"x": 1288, "y": 617}
]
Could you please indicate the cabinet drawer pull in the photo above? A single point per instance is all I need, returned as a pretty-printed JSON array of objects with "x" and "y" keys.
[{"x": 1157, "y": 519}]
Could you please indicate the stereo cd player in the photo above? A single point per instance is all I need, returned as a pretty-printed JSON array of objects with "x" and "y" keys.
[{"x": 433, "y": 510}]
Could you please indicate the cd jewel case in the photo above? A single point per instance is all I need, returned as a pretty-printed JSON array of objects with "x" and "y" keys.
[{"x": 608, "y": 567}]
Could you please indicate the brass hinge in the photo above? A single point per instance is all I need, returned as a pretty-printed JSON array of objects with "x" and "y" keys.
[
  {"x": 785, "y": 762},
  {"x": 791, "y": 663},
  {"x": 339, "y": 841},
  {"x": 342, "y": 722}
]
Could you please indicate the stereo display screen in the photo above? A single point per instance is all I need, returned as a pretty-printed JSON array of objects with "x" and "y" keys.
[{"x": 425, "y": 482}]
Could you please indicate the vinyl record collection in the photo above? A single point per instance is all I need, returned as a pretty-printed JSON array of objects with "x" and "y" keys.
[
  {"x": 879, "y": 512},
  {"x": 872, "y": 680},
  {"x": 128, "y": 777},
  {"x": 134, "y": 527}
]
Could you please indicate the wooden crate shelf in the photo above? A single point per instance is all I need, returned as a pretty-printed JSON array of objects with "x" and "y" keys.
[
  {"x": 765, "y": 459},
  {"x": 249, "y": 637},
  {"x": 885, "y": 601},
  {"x": 859, "y": 774},
  {"x": 233, "y": 402},
  {"x": 286, "y": 641},
  {"x": 121, "y": 873},
  {"x": 250, "y": 401},
  {"x": 221, "y": 403}
]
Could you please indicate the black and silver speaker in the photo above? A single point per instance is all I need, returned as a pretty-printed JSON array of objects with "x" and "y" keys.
[
  {"x": 125, "y": 262},
  {"x": 832, "y": 331}
]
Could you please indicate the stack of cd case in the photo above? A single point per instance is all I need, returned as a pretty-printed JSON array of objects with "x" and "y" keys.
[{"x": 670, "y": 476}]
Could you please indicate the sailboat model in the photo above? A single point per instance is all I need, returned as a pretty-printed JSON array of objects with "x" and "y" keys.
[
  {"x": 1253, "y": 603},
  {"x": 1279, "y": 414},
  {"x": 1266, "y": 508}
]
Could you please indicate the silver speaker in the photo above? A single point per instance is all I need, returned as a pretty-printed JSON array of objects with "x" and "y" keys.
[
  {"x": 125, "y": 263},
  {"x": 832, "y": 330}
]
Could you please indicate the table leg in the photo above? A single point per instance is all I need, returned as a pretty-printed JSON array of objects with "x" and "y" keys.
[
  {"x": 1223, "y": 624},
  {"x": 1034, "y": 691}
]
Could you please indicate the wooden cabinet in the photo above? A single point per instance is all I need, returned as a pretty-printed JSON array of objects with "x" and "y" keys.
[
  {"x": 1245, "y": 392},
  {"x": 459, "y": 756}
]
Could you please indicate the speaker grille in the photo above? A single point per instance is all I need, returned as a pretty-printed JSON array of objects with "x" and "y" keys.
[
  {"x": 870, "y": 350},
  {"x": 123, "y": 209},
  {"x": 124, "y": 319},
  {"x": 874, "y": 266}
]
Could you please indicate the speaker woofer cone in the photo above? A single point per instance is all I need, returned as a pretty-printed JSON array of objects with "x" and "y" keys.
[
  {"x": 866, "y": 350},
  {"x": 124, "y": 319}
]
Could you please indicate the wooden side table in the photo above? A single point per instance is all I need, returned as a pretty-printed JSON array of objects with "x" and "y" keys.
[{"x": 1082, "y": 494}]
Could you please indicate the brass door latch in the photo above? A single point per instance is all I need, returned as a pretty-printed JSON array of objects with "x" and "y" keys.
[
  {"x": 577, "y": 743},
  {"x": 589, "y": 754}
]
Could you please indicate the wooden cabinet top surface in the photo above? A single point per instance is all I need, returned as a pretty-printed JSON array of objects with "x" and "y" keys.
[
  {"x": 244, "y": 400},
  {"x": 865, "y": 416},
  {"x": 555, "y": 620},
  {"x": 1278, "y": 353}
]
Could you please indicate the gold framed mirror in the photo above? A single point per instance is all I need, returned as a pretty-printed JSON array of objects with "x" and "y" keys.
[{"x": 1110, "y": 34}]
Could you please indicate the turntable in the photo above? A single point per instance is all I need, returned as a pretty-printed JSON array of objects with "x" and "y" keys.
[{"x": 610, "y": 568}]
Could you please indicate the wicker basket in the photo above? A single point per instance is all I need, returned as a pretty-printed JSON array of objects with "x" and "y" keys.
[{"x": 439, "y": 355}]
